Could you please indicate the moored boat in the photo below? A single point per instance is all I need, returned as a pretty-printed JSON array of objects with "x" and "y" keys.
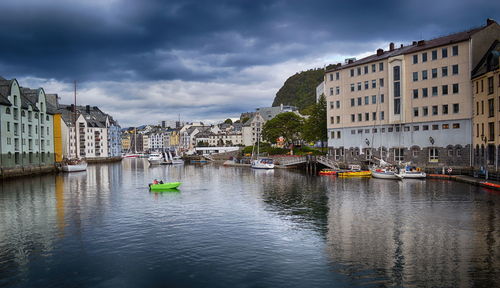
[
  {"x": 411, "y": 172},
  {"x": 74, "y": 165},
  {"x": 382, "y": 173},
  {"x": 328, "y": 172},
  {"x": 155, "y": 159},
  {"x": 355, "y": 173},
  {"x": 263, "y": 163},
  {"x": 163, "y": 186}
]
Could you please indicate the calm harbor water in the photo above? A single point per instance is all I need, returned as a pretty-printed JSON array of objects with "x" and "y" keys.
[{"x": 237, "y": 227}]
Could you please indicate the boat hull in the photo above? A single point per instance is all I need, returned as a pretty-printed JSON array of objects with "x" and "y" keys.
[
  {"x": 355, "y": 174},
  {"x": 413, "y": 175},
  {"x": 75, "y": 168},
  {"x": 164, "y": 186},
  {"x": 385, "y": 175}
]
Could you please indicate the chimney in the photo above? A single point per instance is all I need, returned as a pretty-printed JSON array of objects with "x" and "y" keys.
[
  {"x": 421, "y": 43},
  {"x": 380, "y": 51},
  {"x": 72, "y": 108},
  {"x": 350, "y": 61},
  {"x": 414, "y": 43},
  {"x": 87, "y": 108},
  {"x": 490, "y": 21},
  {"x": 391, "y": 46}
]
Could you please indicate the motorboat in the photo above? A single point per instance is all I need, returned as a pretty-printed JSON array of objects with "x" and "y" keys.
[
  {"x": 328, "y": 172},
  {"x": 74, "y": 165},
  {"x": 164, "y": 186},
  {"x": 155, "y": 159},
  {"x": 263, "y": 163},
  {"x": 411, "y": 173},
  {"x": 177, "y": 160}
]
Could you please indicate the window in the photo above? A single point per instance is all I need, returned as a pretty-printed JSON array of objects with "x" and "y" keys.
[
  {"x": 332, "y": 135},
  {"x": 434, "y": 73},
  {"x": 381, "y": 82},
  {"x": 331, "y": 120},
  {"x": 331, "y": 105},
  {"x": 353, "y": 132},
  {"x": 435, "y": 110},
  {"x": 8, "y": 126},
  {"x": 444, "y": 89},
  {"x": 381, "y": 115},
  {"x": 390, "y": 129},
  {"x": 454, "y": 50},
  {"x": 398, "y": 154},
  {"x": 338, "y": 135},
  {"x": 444, "y": 71},
  {"x": 331, "y": 77},
  {"x": 396, "y": 73},
  {"x": 374, "y": 99},
  {"x": 425, "y": 111},
  {"x": 445, "y": 109},
  {"x": 374, "y": 83},
  {"x": 366, "y": 85},
  {"x": 381, "y": 66},
  {"x": 397, "y": 106},
  {"x": 367, "y": 100},
  {"x": 434, "y": 55},
  {"x": 359, "y": 71},
  {"x": 416, "y": 128},
  {"x": 415, "y": 76},
  {"x": 455, "y": 88},
  {"x": 337, "y": 90},
  {"x": 7, "y": 110},
  {"x": 425, "y": 127},
  {"x": 337, "y": 103},
  {"x": 424, "y": 57},
  {"x": 491, "y": 131},
  {"x": 424, "y": 75},
  {"x": 491, "y": 108},
  {"x": 415, "y": 93},
  {"x": 490, "y": 85},
  {"x": 381, "y": 98},
  {"x": 360, "y": 117},
  {"x": 359, "y": 86},
  {"x": 352, "y": 72},
  {"x": 360, "y": 101},
  {"x": 353, "y": 102},
  {"x": 415, "y": 112},
  {"x": 450, "y": 152},
  {"x": 435, "y": 127},
  {"x": 374, "y": 68},
  {"x": 424, "y": 92},
  {"x": 352, "y": 87},
  {"x": 374, "y": 117},
  {"x": 367, "y": 116},
  {"x": 415, "y": 59},
  {"x": 338, "y": 119},
  {"x": 337, "y": 75},
  {"x": 456, "y": 108},
  {"x": 456, "y": 125},
  {"x": 331, "y": 91},
  {"x": 435, "y": 91},
  {"x": 454, "y": 69},
  {"x": 353, "y": 119},
  {"x": 444, "y": 52},
  {"x": 366, "y": 69}
]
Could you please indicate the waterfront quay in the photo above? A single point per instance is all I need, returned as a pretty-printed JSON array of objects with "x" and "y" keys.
[{"x": 240, "y": 227}]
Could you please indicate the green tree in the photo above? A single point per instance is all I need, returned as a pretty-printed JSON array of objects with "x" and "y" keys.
[
  {"x": 287, "y": 125},
  {"x": 228, "y": 121},
  {"x": 315, "y": 126},
  {"x": 244, "y": 119}
]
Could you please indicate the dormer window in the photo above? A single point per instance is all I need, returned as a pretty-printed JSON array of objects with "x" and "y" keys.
[{"x": 7, "y": 110}]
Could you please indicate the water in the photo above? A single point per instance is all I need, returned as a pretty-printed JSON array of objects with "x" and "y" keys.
[{"x": 237, "y": 227}]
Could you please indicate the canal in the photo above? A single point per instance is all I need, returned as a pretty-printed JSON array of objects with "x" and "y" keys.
[{"x": 237, "y": 227}]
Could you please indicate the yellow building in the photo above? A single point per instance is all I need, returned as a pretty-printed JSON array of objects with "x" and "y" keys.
[
  {"x": 125, "y": 142},
  {"x": 486, "y": 119}
]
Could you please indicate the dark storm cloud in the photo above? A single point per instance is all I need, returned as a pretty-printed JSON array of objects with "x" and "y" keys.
[{"x": 206, "y": 40}]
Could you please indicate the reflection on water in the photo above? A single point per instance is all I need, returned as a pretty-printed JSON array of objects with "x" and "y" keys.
[{"x": 230, "y": 226}]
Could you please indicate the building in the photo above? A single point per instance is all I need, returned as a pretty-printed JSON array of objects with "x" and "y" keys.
[
  {"x": 320, "y": 90},
  {"x": 269, "y": 113},
  {"x": 486, "y": 119},
  {"x": 410, "y": 103},
  {"x": 26, "y": 129},
  {"x": 252, "y": 130}
]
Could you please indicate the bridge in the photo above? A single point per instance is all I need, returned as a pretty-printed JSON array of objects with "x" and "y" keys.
[{"x": 292, "y": 161}]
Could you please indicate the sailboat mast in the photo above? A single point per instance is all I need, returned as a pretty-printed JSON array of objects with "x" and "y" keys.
[{"x": 74, "y": 116}]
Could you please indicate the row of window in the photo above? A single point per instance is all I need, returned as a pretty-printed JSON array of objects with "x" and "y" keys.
[
  {"x": 434, "y": 73},
  {"x": 365, "y": 70},
  {"x": 30, "y": 157},
  {"x": 364, "y": 100},
  {"x": 398, "y": 153},
  {"x": 360, "y": 86},
  {"x": 491, "y": 107},
  {"x": 434, "y": 110},
  {"x": 406, "y": 128},
  {"x": 434, "y": 54},
  {"x": 367, "y": 116},
  {"x": 490, "y": 80},
  {"x": 23, "y": 114},
  {"x": 455, "y": 89}
]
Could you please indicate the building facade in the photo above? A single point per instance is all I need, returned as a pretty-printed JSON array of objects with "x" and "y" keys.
[
  {"x": 410, "y": 103},
  {"x": 486, "y": 119}
]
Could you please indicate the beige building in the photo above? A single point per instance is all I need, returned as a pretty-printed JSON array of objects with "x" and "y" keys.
[
  {"x": 486, "y": 119},
  {"x": 409, "y": 103}
]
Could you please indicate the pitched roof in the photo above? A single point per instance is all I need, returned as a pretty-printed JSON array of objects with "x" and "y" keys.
[{"x": 489, "y": 62}]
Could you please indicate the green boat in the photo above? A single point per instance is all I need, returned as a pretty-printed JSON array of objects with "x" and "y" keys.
[{"x": 164, "y": 186}]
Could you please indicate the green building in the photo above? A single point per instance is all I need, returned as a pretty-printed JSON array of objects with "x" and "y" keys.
[{"x": 26, "y": 129}]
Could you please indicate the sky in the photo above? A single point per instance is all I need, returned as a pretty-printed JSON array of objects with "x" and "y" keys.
[{"x": 143, "y": 61}]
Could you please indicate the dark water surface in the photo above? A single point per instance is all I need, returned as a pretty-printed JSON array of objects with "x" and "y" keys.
[{"x": 237, "y": 227}]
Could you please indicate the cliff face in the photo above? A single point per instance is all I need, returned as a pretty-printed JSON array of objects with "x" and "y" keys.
[{"x": 300, "y": 89}]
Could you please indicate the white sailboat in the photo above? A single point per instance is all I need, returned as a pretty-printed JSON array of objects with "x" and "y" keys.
[
  {"x": 260, "y": 162},
  {"x": 76, "y": 164}
]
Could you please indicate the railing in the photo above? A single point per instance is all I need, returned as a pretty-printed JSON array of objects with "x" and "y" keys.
[
  {"x": 327, "y": 162},
  {"x": 292, "y": 161}
]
